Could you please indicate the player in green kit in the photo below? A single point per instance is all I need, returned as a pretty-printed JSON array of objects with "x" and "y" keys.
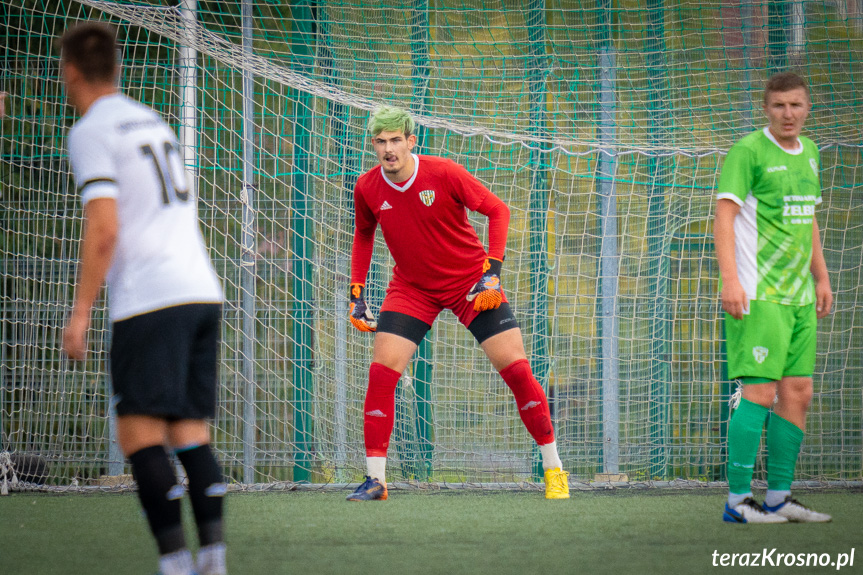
[{"x": 774, "y": 287}]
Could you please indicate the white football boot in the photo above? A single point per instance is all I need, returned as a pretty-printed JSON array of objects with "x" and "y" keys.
[
  {"x": 749, "y": 511},
  {"x": 794, "y": 511}
]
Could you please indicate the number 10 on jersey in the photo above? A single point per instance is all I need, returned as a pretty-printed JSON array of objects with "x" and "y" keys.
[{"x": 173, "y": 177}]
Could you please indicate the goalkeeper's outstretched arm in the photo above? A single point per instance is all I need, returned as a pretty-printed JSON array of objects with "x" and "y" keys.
[
  {"x": 497, "y": 213},
  {"x": 486, "y": 293},
  {"x": 361, "y": 258}
]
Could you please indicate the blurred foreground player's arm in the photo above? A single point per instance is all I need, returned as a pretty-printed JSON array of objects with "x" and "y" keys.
[{"x": 97, "y": 251}]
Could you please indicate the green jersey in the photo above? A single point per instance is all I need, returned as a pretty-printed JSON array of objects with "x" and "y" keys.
[{"x": 777, "y": 191}]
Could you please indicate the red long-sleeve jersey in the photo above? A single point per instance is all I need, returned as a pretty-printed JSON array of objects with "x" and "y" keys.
[{"x": 425, "y": 224}]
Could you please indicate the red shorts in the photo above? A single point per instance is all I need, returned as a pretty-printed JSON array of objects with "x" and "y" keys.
[{"x": 425, "y": 306}]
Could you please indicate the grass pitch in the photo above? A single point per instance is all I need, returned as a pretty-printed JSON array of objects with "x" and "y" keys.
[{"x": 442, "y": 532}]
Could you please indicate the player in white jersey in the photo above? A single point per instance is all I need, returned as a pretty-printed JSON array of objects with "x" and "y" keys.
[
  {"x": 775, "y": 286},
  {"x": 141, "y": 234}
]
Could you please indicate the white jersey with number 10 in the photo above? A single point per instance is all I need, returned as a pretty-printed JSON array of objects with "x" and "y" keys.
[{"x": 123, "y": 150}]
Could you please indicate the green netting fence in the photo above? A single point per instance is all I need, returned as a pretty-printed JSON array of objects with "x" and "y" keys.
[{"x": 602, "y": 124}]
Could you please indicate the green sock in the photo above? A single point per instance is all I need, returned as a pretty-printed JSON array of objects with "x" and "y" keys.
[
  {"x": 744, "y": 435},
  {"x": 783, "y": 446}
]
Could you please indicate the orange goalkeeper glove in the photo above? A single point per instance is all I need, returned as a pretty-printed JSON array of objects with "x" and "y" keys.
[
  {"x": 360, "y": 316},
  {"x": 486, "y": 293}
]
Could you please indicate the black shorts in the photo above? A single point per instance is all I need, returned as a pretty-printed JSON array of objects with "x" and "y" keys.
[
  {"x": 486, "y": 324},
  {"x": 165, "y": 363}
]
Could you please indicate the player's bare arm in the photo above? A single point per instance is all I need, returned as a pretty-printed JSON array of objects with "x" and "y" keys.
[
  {"x": 734, "y": 300},
  {"x": 97, "y": 251},
  {"x": 823, "y": 292}
]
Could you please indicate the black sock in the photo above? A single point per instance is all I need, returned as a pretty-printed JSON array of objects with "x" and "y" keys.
[
  {"x": 160, "y": 497},
  {"x": 206, "y": 490}
]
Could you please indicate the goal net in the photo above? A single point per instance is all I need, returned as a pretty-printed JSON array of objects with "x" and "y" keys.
[{"x": 602, "y": 125}]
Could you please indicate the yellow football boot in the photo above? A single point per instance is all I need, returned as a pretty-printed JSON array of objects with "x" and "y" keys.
[{"x": 556, "y": 484}]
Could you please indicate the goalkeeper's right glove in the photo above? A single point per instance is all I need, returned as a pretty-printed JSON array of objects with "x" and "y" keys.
[{"x": 360, "y": 316}]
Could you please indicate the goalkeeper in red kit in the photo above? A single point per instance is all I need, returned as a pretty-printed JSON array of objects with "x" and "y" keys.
[{"x": 421, "y": 203}]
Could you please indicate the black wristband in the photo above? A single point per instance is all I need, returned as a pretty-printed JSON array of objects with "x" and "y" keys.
[{"x": 494, "y": 266}]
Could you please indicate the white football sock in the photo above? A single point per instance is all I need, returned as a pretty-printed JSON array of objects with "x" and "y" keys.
[
  {"x": 774, "y": 498},
  {"x": 211, "y": 560},
  {"x": 177, "y": 563},
  {"x": 735, "y": 499},
  {"x": 377, "y": 467},
  {"x": 550, "y": 458}
]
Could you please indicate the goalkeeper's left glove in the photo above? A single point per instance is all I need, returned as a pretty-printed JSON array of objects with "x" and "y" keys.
[
  {"x": 486, "y": 294},
  {"x": 361, "y": 317}
]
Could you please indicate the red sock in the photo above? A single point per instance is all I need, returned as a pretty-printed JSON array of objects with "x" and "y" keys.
[
  {"x": 530, "y": 399},
  {"x": 379, "y": 409}
]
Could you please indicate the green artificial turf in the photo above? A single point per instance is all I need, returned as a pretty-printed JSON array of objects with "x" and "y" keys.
[{"x": 458, "y": 532}]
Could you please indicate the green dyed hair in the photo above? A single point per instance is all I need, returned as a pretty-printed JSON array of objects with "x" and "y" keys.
[{"x": 391, "y": 119}]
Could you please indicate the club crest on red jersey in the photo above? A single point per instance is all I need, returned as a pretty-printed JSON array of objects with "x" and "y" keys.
[{"x": 427, "y": 197}]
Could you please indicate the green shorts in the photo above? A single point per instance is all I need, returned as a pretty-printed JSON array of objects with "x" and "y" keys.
[{"x": 772, "y": 341}]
